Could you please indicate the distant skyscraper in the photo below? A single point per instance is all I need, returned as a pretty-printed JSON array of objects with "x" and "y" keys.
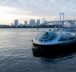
[
  {"x": 16, "y": 23},
  {"x": 25, "y": 23},
  {"x": 11, "y": 24},
  {"x": 38, "y": 22},
  {"x": 32, "y": 22},
  {"x": 44, "y": 21}
]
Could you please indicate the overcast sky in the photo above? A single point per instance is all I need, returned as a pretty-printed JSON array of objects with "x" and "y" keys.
[{"x": 49, "y": 9}]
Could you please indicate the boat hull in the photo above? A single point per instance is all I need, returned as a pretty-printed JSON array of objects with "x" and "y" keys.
[{"x": 54, "y": 50}]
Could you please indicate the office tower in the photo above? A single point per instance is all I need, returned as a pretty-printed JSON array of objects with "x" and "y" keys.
[
  {"x": 16, "y": 23},
  {"x": 38, "y": 22},
  {"x": 32, "y": 22},
  {"x": 44, "y": 21},
  {"x": 12, "y": 25},
  {"x": 25, "y": 23}
]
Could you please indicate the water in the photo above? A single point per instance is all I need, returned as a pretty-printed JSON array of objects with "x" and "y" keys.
[{"x": 16, "y": 54}]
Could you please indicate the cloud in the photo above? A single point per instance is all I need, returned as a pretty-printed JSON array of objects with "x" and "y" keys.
[{"x": 42, "y": 7}]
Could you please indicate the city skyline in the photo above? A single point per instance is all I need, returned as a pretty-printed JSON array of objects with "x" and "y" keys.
[{"x": 35, "y": 9}]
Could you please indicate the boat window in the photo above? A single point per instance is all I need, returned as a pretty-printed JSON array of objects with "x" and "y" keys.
[
  {"x": 65, "y": 38},
  {"x": 48, "y": 36},
  {"x": 52, "y": 36}
]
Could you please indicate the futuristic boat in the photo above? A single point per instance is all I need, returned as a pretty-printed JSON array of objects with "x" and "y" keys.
[
  {"x": 50, "y": 38},
  {"x": 54, "y": 42}
]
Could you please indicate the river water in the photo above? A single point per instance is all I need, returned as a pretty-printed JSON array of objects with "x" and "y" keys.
[{"x": 16, "y": 54}]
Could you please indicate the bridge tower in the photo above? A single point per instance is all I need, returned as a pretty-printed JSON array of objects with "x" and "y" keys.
[{"x": 62, "y": 18}]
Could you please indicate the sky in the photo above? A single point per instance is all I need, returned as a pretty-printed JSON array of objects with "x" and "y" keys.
[{"x": 36, "y": 9}]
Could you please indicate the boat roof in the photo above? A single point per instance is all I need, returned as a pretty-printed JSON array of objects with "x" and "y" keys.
[{"x": 51, "y": 37}]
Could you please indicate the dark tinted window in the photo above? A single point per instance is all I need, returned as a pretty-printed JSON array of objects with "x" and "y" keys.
[
  {"x": 48, "y": 36},
  {"x": 66, "y": 37}
]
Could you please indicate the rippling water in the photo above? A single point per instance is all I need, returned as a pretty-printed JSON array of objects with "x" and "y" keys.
[{"x": 16, "y": 54}]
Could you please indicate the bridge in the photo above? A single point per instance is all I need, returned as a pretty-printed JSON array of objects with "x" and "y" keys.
[{"x": 61, "y": 22}]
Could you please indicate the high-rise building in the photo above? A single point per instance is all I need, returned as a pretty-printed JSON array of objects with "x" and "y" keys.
[
  {"x": 11, "y": 24},
  {"x": 25, "y": 23},
  {"x": 38, "y": 22},
  {"x": 44, "y": 21},
  {"x": 32, "y": 22},
  {"x": 16, "y": 23}
]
